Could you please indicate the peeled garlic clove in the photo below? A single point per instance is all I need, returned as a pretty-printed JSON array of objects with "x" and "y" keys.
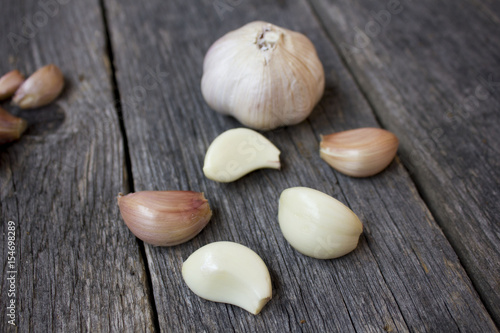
[
  {"x": 231, "y": 273},
  {"x": 11, "y": 127},
  {"x": 359, "y": 152},
  {"x": 165, "y": 218},
  {"x": 316, "y": 224},
  {"x": 41, "y": 88},
  {"x": 263, "y": 75},
  {"x": 237, "y": 152},
  {"x": 9, "y": 83}
]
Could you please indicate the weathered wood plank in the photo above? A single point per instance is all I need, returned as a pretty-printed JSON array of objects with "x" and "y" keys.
[
  {"x": 431, "y": 70},
  {"x": 403, "y": 276},
  {"x": 78, "y": 268}
]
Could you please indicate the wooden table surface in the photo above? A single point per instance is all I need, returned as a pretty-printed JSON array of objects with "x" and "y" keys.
[{"x": 132, "y": 118}]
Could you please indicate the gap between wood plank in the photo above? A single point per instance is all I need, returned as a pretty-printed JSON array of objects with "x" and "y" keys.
[
  {"x": 128, "y": 182},
  {"x": 420, "y": 192}
]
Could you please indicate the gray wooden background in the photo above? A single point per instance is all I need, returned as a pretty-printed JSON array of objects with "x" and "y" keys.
[{"x": 132, "y": 118}]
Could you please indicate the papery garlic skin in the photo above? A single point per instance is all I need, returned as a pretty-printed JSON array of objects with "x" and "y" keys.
[
  {"x": 316, "y": 224},
  {"x": 40, "y": 89},
  {"x": 9, "y": 83},
  {"x": 237, "y": 152},
  {"x": 165, "y": 218},
  {"x": 231, "y": 273},
  {"x": 11, "y": 127},
  {"x": 263, "y": 75},
  {"x": 361, "y": 152}
]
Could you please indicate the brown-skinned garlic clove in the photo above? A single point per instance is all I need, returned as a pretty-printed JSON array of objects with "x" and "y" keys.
[
  {"x": 9, "y": 83},
  {"x": 316, "y": 224},
  {"x": 230, "y": 273},
  {"x": 238, "y": 152},
  {"x": 165, "y": 218},
  {"x": 11, "y": 127},
  {"x": 263, "y": 75},
  {"x": 361, "y": 152},
  {"x": 40, "y": 89}
]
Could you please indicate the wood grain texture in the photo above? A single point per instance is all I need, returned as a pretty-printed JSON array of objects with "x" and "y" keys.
[
  {"x": 78, "y": 267},
  {"x": 431, "y": 70},
  {"x": 404, "y": 275}
]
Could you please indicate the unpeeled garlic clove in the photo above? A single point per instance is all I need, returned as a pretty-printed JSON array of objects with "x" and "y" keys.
[
  {"x": 231, "y": 273},
  {"x": 237, "y": 152},
  {"x": 9, "y": 83},
  {"x": 316, "y": 224},
  {"x": 165, "y": 218},
  {"x": 11, "y": 127},
  {"x": 41, "y": 88},
  {"x": 263, "y": 75},
  {"x": 359, "y": 152}
]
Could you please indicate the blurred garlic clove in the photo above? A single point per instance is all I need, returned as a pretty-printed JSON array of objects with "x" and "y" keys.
[
  {"x": 231, "y": 273},
  {"x": 237, "y": 152},
  {"x": 263, "y": 75},
  {"x": 9, "y": 83},
  {"x": 40, "y": 89},
  {"x": 359, "y": 152},
  {"x": 11, "y": 127},
  {"x": 316, "y": 224},
  {"x": 165, "y": 218}
]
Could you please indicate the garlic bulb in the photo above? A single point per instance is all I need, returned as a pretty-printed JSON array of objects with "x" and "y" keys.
[
  {"x": 359, "y": 152},
  {"x": 316, "y": 224},
  {"x": 231, "y": 273},
  {"x": 40, "y": 89},
  {"x": 9, "y": 83},
  {"x": 165, "y": 218},
  {"x": 263, "y": 75},
  {"x": 237, "y": 152},
  {"x": 11, "y": 127}
]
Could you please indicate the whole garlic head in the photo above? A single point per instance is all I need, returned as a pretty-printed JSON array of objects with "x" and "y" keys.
[{"x": 263, "y": 75}]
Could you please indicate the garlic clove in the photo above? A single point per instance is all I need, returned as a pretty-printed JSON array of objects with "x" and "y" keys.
[
  {"x": 231, "y": 273},
  {"x": 9, "y": 83},
  {"x": 41, "y": 88},
  {"x": 359, "y": 152},
  {"x": 165, "y": 218},
  {"x": 11, "y": 127},
  {"x": 263, "y": 75},
  {"x": 316, "y": 224},
  {"x": 237, "y": 152}
]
